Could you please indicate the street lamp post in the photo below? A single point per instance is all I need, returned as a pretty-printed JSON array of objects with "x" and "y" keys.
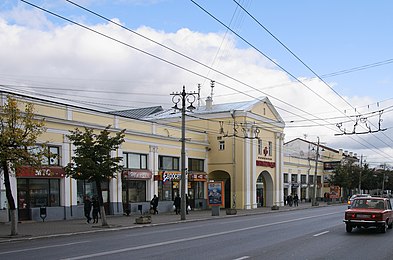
[
  {"x": 314, "y": 199},
  {"x": 177, "y": 98}
]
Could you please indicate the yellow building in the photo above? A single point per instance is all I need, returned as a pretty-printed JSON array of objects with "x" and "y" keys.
[
  {"x": 301, "y": 167},
  {"x": 244, "y": 151},
  {"x": 234, "y": 158}
]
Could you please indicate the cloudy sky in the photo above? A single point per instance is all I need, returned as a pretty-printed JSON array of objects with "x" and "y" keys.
[{"x": 321, "y": 63}]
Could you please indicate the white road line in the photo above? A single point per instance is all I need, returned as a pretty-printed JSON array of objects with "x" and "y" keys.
[
  {"x": 42, "y": 247},
  {"x": 322, "y": 233},
  {"x": 190, "y": 238},
  {"x": 241, "y": 258}
]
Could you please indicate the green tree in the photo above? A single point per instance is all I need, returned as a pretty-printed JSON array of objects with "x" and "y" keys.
[
  {"x": 19, "y": 130},
  {"x": 93, "y": 161}
]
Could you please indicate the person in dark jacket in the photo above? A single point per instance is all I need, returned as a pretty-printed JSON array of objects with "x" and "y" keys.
[
  {"x": 177, "y": 203},
  {"x": 154, "y": 204},
  {"x": 96, "y": 209},
  {"x": 87, "y": 208},
  {"x": 296, "y": 200},
  {"x": 187, "y": 204}
]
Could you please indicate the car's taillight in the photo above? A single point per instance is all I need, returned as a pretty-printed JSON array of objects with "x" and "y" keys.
[
  {"x": 350, "y": 215},
  {"x": 376, "y": 216},
  {"x": 349, "y": 202}
]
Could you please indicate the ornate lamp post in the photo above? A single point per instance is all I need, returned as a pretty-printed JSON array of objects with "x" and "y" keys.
[{"x": 183, "y": 97}]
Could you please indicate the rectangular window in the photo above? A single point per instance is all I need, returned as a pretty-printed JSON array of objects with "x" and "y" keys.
[
  {"x": 52, "y": 158},
  {"x": 135, "y": 161},
  {"x": 319, "y": 179},
  {"x": 285, "y": 177},
  {"x": 270, "y": 148},
  {"x": 294, "y": 178},
  {"x": 303, "y": 179},
  {"x": 260, "y": 146},
  {"x": 196, "y": 165},
  {"x": 44, "y": 192},
  {"x": 221, "y": 145},
  {"x": 168, "y": 163}
]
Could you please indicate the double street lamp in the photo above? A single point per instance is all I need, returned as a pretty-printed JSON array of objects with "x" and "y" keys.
[{"x": 183, "y": 98}]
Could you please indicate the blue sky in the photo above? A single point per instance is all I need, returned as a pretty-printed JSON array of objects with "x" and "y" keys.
[{"x": 328, "y": 36}]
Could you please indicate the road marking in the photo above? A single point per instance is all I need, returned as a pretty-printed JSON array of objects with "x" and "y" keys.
[
  {"x": 241, "y": 258},
  {"x": 322, "y": 233},
  {"x": 153, "y": 245},
  {"x": 42, "y": 247}
]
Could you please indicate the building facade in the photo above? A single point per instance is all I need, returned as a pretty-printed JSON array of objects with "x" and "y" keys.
[
  {"x": 302, "y": 166},
  {"x": 235, "y": 147}
]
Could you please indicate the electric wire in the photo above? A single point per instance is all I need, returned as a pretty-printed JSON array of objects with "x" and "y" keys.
[{"x": 149, "y": 54}]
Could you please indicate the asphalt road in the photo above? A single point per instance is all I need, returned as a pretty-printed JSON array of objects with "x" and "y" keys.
[{"x": 316, "y": 233}]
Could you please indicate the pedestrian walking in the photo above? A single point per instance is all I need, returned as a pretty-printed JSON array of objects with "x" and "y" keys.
[
  {"x": 187, "y": 204},
  {"x": 87, "y": 208},
  {"x": 96, "y": 209},
  {"x": 177, "y": 203},
  {"x": 296, "y": 200},
  {"x": 290, "y": 200},
  {"x": 154, "y": 204}
]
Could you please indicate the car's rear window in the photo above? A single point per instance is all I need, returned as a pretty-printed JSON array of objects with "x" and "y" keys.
[{"x": 368, "y": 203}]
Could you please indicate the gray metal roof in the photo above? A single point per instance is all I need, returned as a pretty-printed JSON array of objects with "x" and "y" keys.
[{"x": 138, "y": 113}]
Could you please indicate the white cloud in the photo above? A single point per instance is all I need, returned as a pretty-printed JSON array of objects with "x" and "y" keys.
[{"x": 39, "y": 54}]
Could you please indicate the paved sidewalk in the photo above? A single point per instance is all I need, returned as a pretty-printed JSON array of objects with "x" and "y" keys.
[{"x": 33, "y": 230}]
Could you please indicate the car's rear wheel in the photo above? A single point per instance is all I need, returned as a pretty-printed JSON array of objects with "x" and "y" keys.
[
  {"x": 390, "y": 226},
  {"x": 383, "y": 228},
  {"x": 348, "y": 228}
]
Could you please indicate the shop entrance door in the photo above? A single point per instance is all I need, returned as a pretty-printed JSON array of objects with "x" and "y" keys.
[{"x": 23, "y": 200}]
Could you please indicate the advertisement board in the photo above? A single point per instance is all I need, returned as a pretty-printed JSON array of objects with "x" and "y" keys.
[{"x": 215, "y": 193}]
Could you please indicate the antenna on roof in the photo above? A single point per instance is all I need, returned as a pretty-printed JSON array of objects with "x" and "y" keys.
[
  {"x": 199, "y": 95},
  {"x": 211, "y": 86}
]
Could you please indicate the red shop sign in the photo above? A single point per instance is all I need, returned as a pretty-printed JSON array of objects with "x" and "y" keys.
[
  {"x": 266, "y": 164},
  {"x": 46, "y": 172}
]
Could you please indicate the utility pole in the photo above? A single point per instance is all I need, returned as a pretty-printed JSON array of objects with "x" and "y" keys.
[
  {"x": 177, "y": 98},
  {"x": 314, "y": 199},
  {"x": 360, "y": 174}
]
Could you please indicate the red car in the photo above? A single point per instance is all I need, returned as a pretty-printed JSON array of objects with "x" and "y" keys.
[{"x": 369, "y": 212}]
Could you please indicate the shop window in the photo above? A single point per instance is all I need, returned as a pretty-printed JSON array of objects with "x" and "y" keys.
[
  {"x": 134, "y": 191},
  {"x": 85, "y": 188},
  {"x": 135, "y": 161},
  {"x": 44, "y": 192},
  {"x": 168, "y": 163},
  {"x": 196, "y": 165}
]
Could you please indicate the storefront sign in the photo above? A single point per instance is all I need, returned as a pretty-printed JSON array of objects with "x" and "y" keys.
[
  {"x": 137, "y": 174},
  {"x": 196, "y": 177},
  {"x": 170, "y": 176},
  {"x": 266, "y": 164},
  {"x": 47, "y": 172}
]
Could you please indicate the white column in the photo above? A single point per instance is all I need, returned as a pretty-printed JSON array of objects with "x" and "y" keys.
[
  {"x": 153, "y": 167},
  {"x": 247, "y": 173},
  {"x": 113, "y": 191},
  {"x": 279, "y": 169},
  {"x": 254, "y": 151}
]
